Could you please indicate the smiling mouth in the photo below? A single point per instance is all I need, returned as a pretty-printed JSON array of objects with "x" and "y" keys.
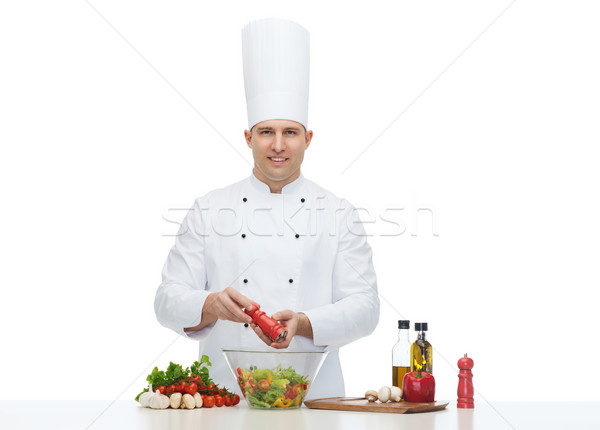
[{"x": 277, "y": 158}]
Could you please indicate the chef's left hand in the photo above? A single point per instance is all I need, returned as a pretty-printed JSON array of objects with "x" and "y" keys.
[{"x": 291, "y": 321}]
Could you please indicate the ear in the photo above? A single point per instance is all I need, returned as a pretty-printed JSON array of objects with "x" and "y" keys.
[
  {"x": 248, "y": 137},
  {"x": 308, "y": 138}
]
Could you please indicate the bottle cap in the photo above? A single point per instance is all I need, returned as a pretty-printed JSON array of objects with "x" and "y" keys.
[
  {"x": 422, "y": 326},
  {"x": 404, "y": 324}
]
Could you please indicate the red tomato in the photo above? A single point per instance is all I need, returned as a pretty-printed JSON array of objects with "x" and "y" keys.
[
  {"x": 263, "y": 385},
  {"x": 289, "y": 393},
  {"x": 162, "y": 389},
  {"x": 209, "y": 402},
  {"x": 236, "y": 399},
  {"x": 297, "y": 389},
  {"x": 171, "y": 389},
  {"x": 192, "y": 388},
  {"x": 180, "y": 388},
  {"x": 195, "y": 378},
  {"x": 228, "y": 401},
  {"x": 219, "y": 401}
]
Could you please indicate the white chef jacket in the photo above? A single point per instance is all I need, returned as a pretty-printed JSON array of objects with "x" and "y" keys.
[{"x": 304, "y": 249}]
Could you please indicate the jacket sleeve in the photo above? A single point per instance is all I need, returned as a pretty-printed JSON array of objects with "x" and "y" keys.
[
  {"x": 354, "y": 311},
  {"x": 182, "y": 293}
]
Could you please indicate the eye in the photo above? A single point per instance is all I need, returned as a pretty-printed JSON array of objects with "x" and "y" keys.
[
  {"x": 291, "y": 132},
  {"x": 265, "y": 132}
]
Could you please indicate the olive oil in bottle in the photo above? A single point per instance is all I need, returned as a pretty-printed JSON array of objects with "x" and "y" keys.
[
  {"x": 421, "y": 351},
  {"x": 401, "y": 354}
]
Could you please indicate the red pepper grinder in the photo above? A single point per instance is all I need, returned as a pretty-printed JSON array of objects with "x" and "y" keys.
[
  {"x": 275, "y": 331},
  {"x": 465, "y": 389}
]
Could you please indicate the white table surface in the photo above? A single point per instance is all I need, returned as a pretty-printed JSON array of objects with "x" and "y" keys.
[{"x": 126, "y": 414}]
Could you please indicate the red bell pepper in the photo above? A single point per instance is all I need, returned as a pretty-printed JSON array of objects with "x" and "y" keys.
[{"x": 418, "y": 387}]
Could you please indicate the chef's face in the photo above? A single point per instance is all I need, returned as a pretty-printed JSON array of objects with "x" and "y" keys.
[{"x": 278, "y": 147}]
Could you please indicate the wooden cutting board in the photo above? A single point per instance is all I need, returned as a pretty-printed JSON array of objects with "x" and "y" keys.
[{"x": 363, "y": 405}]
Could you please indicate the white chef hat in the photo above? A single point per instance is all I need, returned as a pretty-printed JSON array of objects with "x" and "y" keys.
[{"x": 276, "y": 70}]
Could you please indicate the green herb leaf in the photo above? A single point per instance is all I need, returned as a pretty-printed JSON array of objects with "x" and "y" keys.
[{"x": 175, "y": 373}]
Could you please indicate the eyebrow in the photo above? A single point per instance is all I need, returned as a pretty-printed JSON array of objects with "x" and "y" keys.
[{"x": 271, "y": 128}]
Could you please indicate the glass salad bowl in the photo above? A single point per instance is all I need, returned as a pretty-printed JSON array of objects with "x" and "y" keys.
[{"x": 274, "y": 379}]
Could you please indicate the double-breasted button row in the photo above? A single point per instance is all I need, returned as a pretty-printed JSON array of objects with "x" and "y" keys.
[
  {"x": 243, "y": 237},
  {"x": 297, "y": 236},
  {"x": 291, "y": 281},
  {"x": 302, "y": 200}
]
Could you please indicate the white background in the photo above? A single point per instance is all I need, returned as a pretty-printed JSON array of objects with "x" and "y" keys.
[{"x": 107, "y": 125}]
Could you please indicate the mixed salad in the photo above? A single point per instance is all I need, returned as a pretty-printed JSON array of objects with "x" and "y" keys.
[{"x": 272, "y": 388}]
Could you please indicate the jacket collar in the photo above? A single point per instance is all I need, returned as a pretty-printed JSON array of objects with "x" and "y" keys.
[{"x": 291, "y": 188}]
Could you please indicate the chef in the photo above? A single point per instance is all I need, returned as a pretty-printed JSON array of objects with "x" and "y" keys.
[{"x": 275, "y": 239}]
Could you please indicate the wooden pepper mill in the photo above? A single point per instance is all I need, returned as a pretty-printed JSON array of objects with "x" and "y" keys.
[
  {"x": 465, "y": 389},
  {"x": 274, "y": 331}
]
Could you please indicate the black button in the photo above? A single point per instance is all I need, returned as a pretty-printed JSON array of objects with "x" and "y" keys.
[
  {"x": 302, "y": 200},
  {"x": 245, "y": 281},
  {"x": 243, "y": 235},
  {"x": 291, "y": 280},
  {"x": 245, "y": 199},
  {"x": 297, "y": 235},
  {"x": 245, "y": 324}
]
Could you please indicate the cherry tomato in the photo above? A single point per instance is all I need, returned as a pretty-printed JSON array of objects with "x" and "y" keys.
[
  {"x": 180, "y": 388},
  {"x": 195, "y": 378},
  {"x": 297, "y": 389},
  {"x": 211, "y": 389},
  {"x": 289, "y": 393},
  {"x": 228, "y": 401},
  {"x": 263, "y": 385},
  {"x": 191, "y": 389},
  {"x": 162, "y": 389},
  {"x": 236, "y": 399},
  {"x": 208, "y": 402},
  {"x": 171, "y": 389},
  {"x": 219, "y": 401}
]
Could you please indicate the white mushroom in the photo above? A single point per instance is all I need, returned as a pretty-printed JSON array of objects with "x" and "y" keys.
[
  {"x": 175, "y": 400},
  {"x": 188, "y": 401},
  {"x": 384, "y": 394},
  {"x": 198, "y": 400},
  {"x": 395, "y": 394},
  {"x": 371, "y": 395}
]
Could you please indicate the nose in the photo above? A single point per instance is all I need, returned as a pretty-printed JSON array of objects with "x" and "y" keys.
[{"x": 278, "y": 143}]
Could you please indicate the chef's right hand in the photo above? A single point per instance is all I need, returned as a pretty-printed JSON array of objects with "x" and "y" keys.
[{"x": 228, "y": 305}]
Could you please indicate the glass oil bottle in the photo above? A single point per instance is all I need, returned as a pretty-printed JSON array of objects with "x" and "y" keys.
[
  {"x": 401, "y": 354},
  {"x": 421, "y": 352}
]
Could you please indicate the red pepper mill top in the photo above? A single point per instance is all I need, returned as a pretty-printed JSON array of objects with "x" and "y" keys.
[
  {"x": 465, "y": 389},
  {"x": 271, "y": 328}
]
